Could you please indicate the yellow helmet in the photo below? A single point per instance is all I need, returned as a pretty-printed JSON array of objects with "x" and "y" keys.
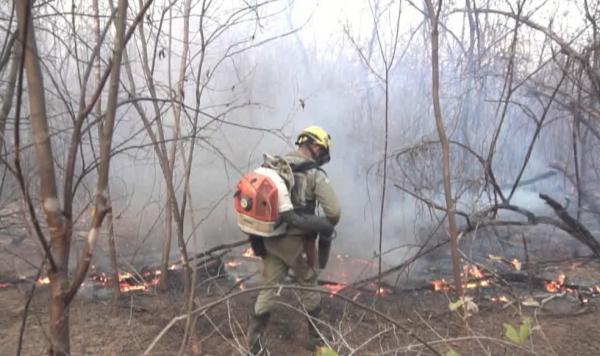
[{"x": 316, "y": 135}]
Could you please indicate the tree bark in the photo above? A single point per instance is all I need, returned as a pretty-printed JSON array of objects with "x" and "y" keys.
[
  {"x": 102, "y": 203},
  {"x": 8, "y": 96},
  {"x": 179, "y": 98},
  {"x": 435, "y": 92},
  {"x": 59, "y": 316},
  {"x": 112, "y": 251}
]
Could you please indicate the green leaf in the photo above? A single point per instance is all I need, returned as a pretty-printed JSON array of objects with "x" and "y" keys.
[
  {"x": 455, "y": 305},
  {"x": 511, "y": 334},
  {"x": 452, "y": 352},
  {"x": 524, "y": 331},
  {"x": 325, "y": 351}
]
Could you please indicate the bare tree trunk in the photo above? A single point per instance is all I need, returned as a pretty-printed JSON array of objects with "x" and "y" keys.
[
  {"x": 188, "y": 331},
  {"x": 112, "y": 251},
  {"x": 8, "y": 96},
  {"x": 158, "y": 141},
  {"x": 102, "y": 203},
  {"x": 384, "y": 178},
  {"x": 158, "y": 144},
  {"x": 435, "y": 92},
  {"x": 179, "y": 97},
  {"x": 58, "y": 274},
  {"x": 173, "y": 212},
  {"x": 59, "y": 220},
  {"x": 166, "y": 248},
  {"x": 114, "y": 280}
]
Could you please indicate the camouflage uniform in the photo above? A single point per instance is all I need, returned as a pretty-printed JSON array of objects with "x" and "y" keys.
[{"x": 285, "y": 252}]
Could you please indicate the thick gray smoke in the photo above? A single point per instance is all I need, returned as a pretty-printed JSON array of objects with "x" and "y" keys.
[
  {"x": 303, "y": 79},
  {"x": 290, "y": 65}
]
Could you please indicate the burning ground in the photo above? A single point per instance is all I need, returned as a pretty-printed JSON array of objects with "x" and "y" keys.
[{"x": 558, "y": 302}]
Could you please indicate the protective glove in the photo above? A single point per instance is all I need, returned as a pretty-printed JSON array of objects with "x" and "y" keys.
[
  {"x": 258, "y": 246},
  {"x": 325, "y": 248},
  {"x": 327, "y": 237}
]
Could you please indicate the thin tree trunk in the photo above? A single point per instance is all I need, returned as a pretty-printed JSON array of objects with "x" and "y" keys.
[
  {"x": 166, "y": 248},
  {"x": 187, "y": 163},
  {"x": 179, "y": 98},
  {"x": 173, "y": 212},
  {"x": 8, "y": 96},
  {"x": 190, "y": 298},
  {"x": 439, "y": 121},
  {"x": 112, "y": 251},
  {"x": 158, "y": 144},
  {"x": 383, "y": 184},
  {"x": 160, "y": 148},
  {"x": 59, "y": 316},
  {"x": 102, "y": 203},
  {"x": 114, "y": 280}
]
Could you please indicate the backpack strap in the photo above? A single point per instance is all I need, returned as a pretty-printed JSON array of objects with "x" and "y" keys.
[{"x": 281, "y": 166}]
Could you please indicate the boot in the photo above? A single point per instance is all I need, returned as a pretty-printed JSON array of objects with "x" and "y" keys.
[
  {"x": 256, "y": 328},
  {"x": 314, "y": 339}
]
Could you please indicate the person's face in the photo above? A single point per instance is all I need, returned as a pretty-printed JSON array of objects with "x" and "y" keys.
[{"x": 319, "y": 154}]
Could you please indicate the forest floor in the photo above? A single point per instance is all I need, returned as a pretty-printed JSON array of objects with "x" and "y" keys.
[{"x": 562, "y": 326}]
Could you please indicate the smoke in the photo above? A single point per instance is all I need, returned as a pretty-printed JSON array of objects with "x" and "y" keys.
[
  {"x": 263, "y": 82},
  {"x": 289, "y": 83}
]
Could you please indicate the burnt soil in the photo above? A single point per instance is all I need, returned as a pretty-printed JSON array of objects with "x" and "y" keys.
[{"x": 563, "y": 326}]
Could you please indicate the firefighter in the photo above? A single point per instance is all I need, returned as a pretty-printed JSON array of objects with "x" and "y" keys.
[{"x": 285, "y": 253}]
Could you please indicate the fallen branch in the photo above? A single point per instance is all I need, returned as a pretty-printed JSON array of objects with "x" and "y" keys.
[
  {"x": 202, "y": 310},
  {"x": 576, "y": 229},
  {"x": 531, "y": 180},
  {"x": 583, "y": 193},
  {"x": 221, "y": 247},
  {"x": 566, "y": 223}
]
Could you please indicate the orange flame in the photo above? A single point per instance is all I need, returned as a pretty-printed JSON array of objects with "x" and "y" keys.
[
  {"x": 440, "y": 285},
  {"x": 232, "y": 264},
  {"x": 44, "y": 280},
  {"x": 248, "y": 253},
  {"x": 516, "y": 264},
  {"x": 334, "y": 288},
  {"x": 501, "y": 299},
  {"x": 473, "y": 271},
  {"x": 557, "y": 285},
  {"x": 124, "y": 275},
  {"x": 125, "y": 287},
  {"x": 552, "y": 286},
  {"x": 470, "y": 271},
  {"x": 471, "y": 285},
  {"x": 241, "y": 284},
  {"x": 382, "y": 291},
  {"x": 100, "y": 278}
]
